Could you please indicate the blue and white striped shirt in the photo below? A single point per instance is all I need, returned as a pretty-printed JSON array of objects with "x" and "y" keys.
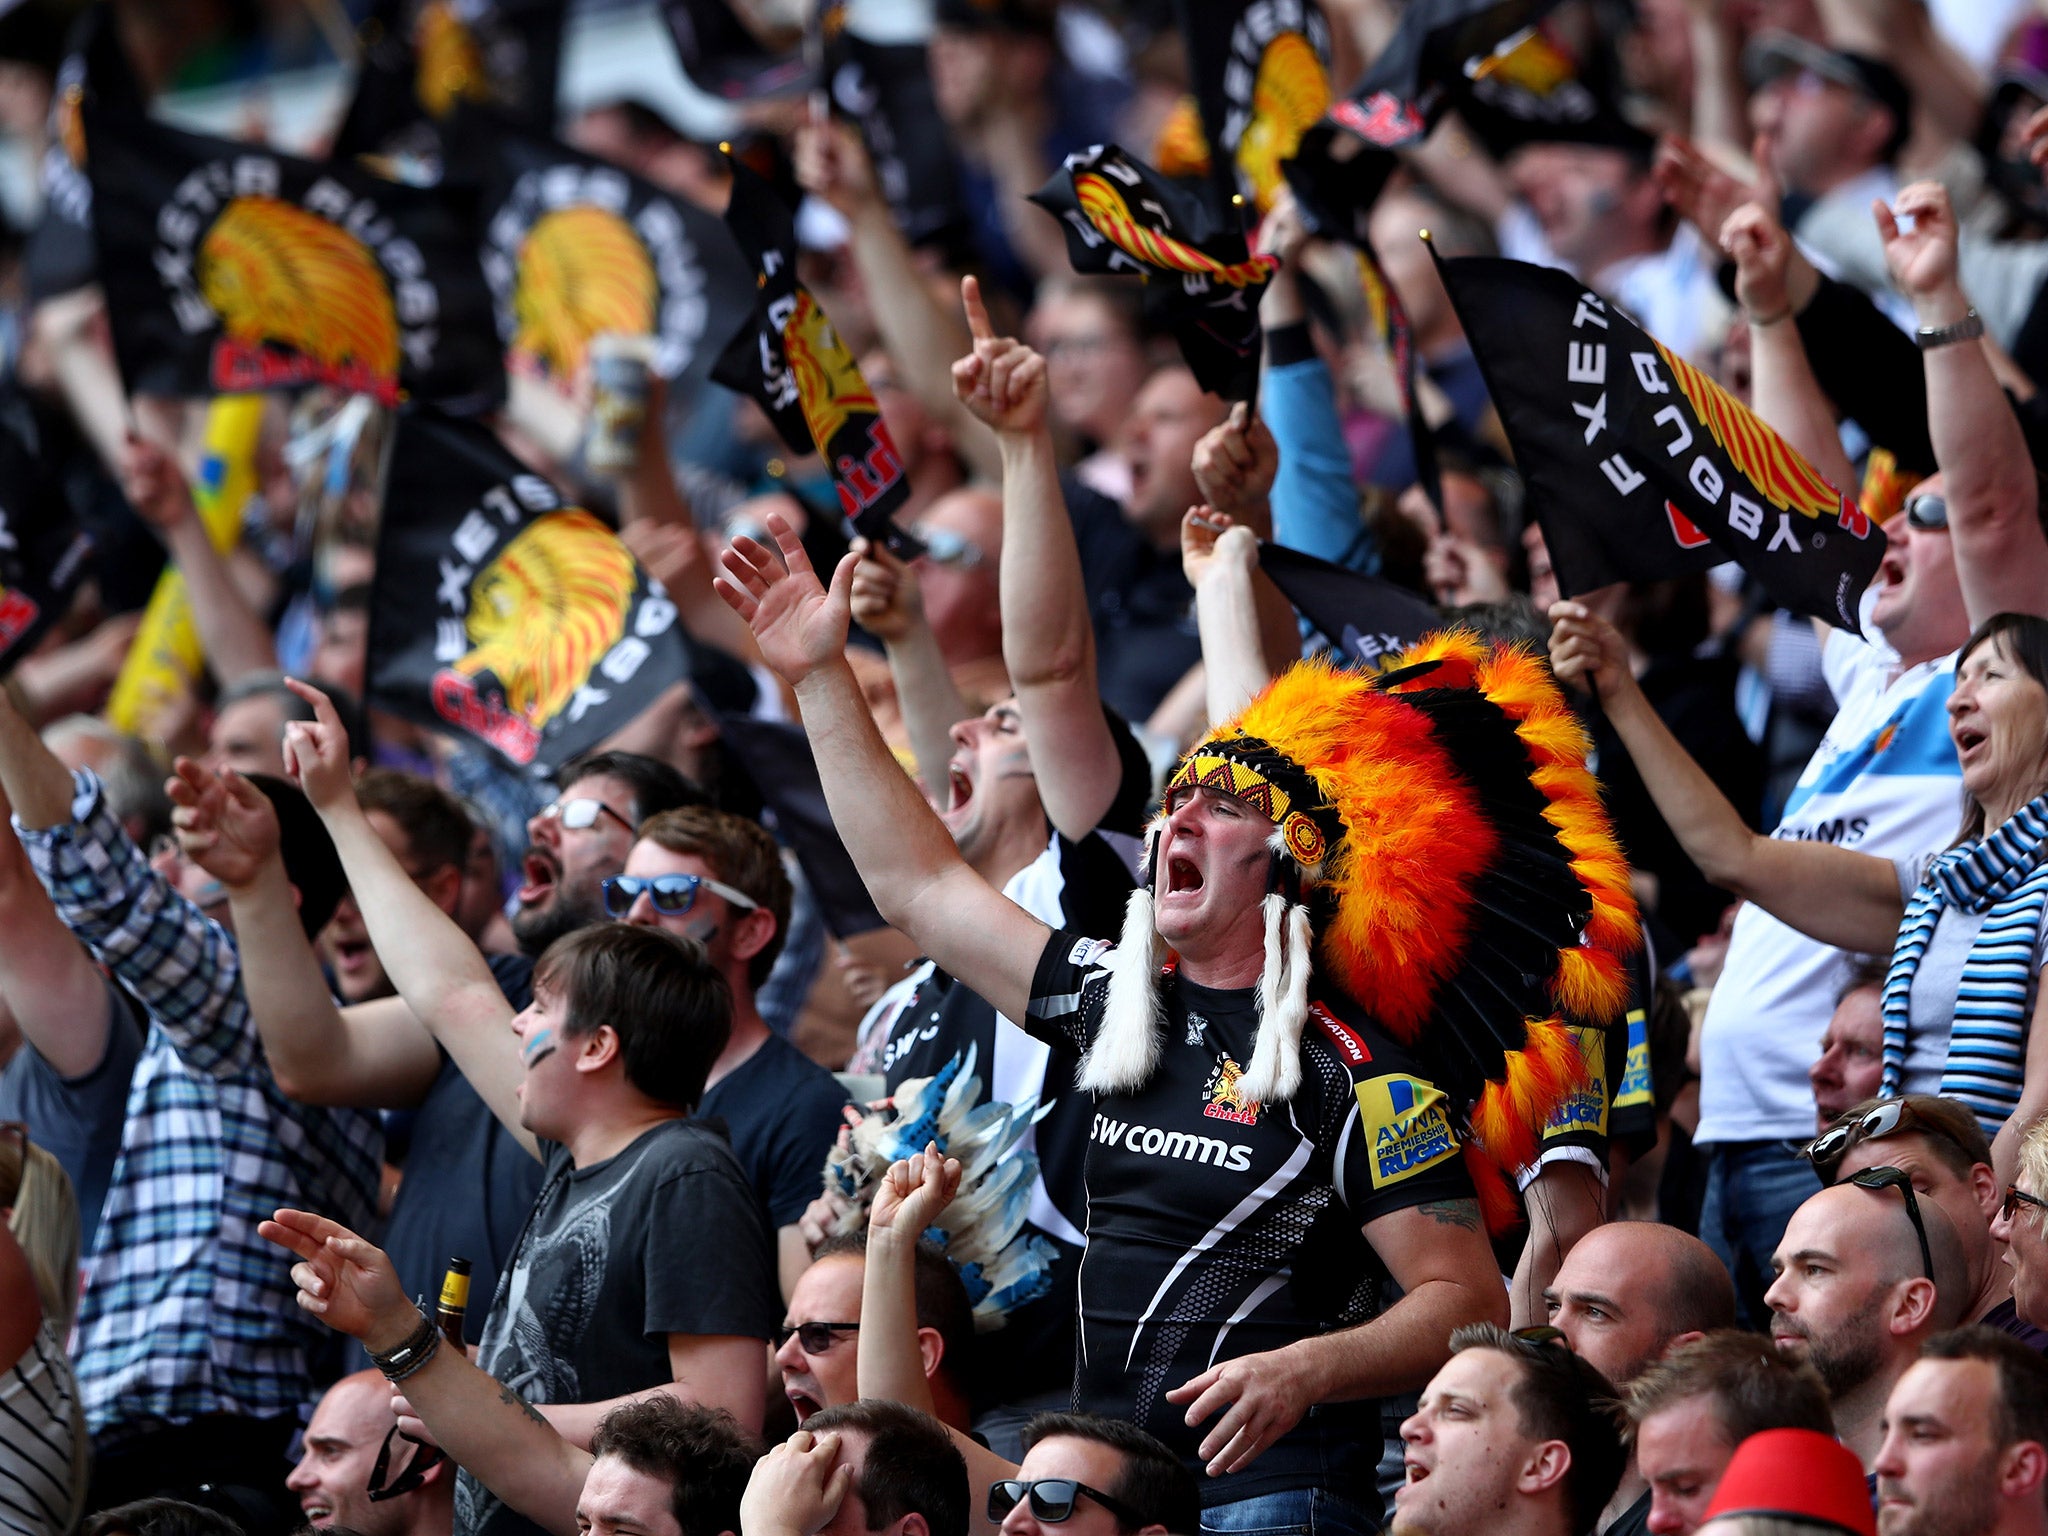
[{"x": 187, "y": 1311}]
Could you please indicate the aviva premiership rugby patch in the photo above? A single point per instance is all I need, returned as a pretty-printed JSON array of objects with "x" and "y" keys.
[
  {"x": 1585, "y": 1107},
  {"x": 1410, "y": 1130}
]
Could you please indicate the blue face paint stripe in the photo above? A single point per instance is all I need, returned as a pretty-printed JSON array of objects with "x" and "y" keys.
[{"x": 538, "y": 1047}]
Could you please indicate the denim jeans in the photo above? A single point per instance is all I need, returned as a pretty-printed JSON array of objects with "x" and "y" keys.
[
  {"x": 1753, "y": 1187},
  {"x": 1291, "y": 1512}
]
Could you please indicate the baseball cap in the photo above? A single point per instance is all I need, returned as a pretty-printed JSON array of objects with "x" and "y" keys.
[
  {"x": 1799, "y": 1475},
  {"x": 1773, "y": 53}
]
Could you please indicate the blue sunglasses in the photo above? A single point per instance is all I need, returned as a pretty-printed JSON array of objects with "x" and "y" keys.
[{"x": 672, "y": 895}]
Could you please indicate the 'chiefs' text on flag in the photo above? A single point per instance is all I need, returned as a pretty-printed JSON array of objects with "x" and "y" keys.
[
  {"x": 1121, "y": 216},
  {"x": 1639, "y": 466},
  {"x": 503, "y": 612},
  {"x": 788, "y": 355},
  {"x": 229, "y": 268}
]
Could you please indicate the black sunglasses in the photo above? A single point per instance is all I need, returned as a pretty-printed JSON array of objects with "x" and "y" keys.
[
  {"x": 812, "y": 1338},
  {"x": 1052, "y": 1500},
  {"x": 425, "y": 1459},
  {"x": 1895, "y": 1178},
  {"x": 1827, "y": 1150},
  {"x": 2015, "y": 1197},
  {"x": 1928, "y": 512}
]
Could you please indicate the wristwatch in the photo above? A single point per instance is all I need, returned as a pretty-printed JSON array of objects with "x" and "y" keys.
[{"x": 1969, "y": 328}]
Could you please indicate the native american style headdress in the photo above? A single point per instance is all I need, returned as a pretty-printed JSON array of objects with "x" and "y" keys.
[{"x": 1440, "y": 854}]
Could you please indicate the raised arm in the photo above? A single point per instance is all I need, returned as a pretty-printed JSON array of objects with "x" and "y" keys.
[
  {"x": 1237, "y": 466},
  {"x": 1847, "y": 899},
  {"x": 1048, "y": 636},
  {"x": 1994, "y": 523},
  {"x": 494, "y": 1434},
  {"x": 441, "y": 975},
  {"x": 55, "y": 992},
  {"x": 1221, "y": 561},
  {"x": 916, "y": 876},
  {"x": 377, "y": 1056}
]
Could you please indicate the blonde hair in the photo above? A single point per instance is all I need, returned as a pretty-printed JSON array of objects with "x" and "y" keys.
[
  {"x": 45, "y": 1223},
  {"x": 2033, "y": 1157}
]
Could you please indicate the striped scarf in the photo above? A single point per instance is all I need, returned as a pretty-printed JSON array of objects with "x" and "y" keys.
[{"x": 2004, "y": 876}]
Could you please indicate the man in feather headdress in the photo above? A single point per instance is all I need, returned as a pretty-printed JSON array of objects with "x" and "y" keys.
[{"x": 1265, "y": 1154}]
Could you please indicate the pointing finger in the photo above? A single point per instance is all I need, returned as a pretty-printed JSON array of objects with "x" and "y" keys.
[{"x": 978, "y": 324}]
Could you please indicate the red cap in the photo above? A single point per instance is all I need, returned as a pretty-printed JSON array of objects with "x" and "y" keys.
[{"x": 1796, "y": 1474}]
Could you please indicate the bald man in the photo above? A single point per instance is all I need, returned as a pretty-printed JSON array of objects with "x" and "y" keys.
[
  {"x": 1626, "y": 1295},
  {"x": 341, "y": 1444},
  {"x": 1857, "y": 1294}
]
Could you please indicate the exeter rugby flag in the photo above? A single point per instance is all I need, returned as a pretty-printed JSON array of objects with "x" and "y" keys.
[
  {"x": 1261, "y": 75},
  {"x": 789, "y": 357},
  {"x": 1639, "y": 466},
  {"x": 504, "y": 613},
  {"x": 60, "y": 256},
  {"x": 574, "y": 247},
  {"x": 886, "y": 88},
  {"x": 43, "y": 552},
  {"x": 423, "y": 58},
  {"x": 229, "y": 268},
  {"x": 1370, "y": 618},
  {"x": 1120, "y": 215}
]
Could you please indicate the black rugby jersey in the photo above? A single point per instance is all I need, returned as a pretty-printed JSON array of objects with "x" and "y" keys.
[{"x": 1219, "y": 1227}]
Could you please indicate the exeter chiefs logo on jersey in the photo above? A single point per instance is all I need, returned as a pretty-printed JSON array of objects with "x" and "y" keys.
[{"x": 1226, "y": 1096}]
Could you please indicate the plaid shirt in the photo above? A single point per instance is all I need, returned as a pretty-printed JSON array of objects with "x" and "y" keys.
[{"x": 186, "y": 1310}]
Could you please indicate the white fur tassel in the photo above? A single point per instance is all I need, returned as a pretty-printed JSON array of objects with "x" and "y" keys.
[
  {"x": 1275, "y": 1071},
  {"x": 1126, "y": 1048}
]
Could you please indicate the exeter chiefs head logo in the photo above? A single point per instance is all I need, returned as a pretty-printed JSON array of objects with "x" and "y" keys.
[
  {"x": 276, "y": 273},
  {"x": 828, "y": 380},
  {"x": 1104, "y": 208},
  {"x": 451, "y": 67},
  {"x": 547, "y": 610},
  {"x": 582, "y": 271},
  {"x": 1289, "y": 97}
]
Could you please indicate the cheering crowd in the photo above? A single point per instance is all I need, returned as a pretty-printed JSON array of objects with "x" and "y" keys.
[{"x": 1221, "y": 768}]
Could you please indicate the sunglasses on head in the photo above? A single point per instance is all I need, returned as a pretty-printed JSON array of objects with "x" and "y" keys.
[
  {"x": 672, "y": 895},
  {"x": 425, "y": 1459},
  {"x": 1928, "y": 512},
  {"x": 1827, "y": 1150},
  {"x": 2015, "y": 1197},
  {"x": 942, "y": 546},
  {"x": 581, "y": 813},
  {"x": 1895, "y": 1178},
  {"x": 1052, "y": 1500},
  {"x": 813, "y": 1338}
]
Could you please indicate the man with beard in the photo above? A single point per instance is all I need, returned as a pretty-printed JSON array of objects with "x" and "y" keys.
[
  {"x": 1966, "y": 1441},
  {"x": 1861, "y": 1286},
  {"x": 375, "y": 1053}
]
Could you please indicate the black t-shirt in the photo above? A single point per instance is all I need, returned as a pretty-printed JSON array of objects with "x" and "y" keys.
[
  {"x": 665, "y": 1237},
  {"x": 781, "y": 1111},
  {"x": 1141, "y": 604},
  {"x": 459, "y": 1149},
  {"x": 1219, "y": 1228}
]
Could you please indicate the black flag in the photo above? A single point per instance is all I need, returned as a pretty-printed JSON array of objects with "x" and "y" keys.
[
  {"x": 1641, "y": 467},
  {"x": 1120, "y": 215},
  {"x": 1370, "y": 617},
  {"x": 60, "y": 257},
  {"x": 788, "y": 355},
  {"x": 43, "y": 552},
  {"x": 229, "y": 268},
  {"x": 503, "y": 612},
  {"x": 886, "y": 89},
  {"x": 1261, "y": 76},
  {"x": 723, "y": 56},
  {"x": 423, "y": 58},
  {"x": 574, "y": 246}
]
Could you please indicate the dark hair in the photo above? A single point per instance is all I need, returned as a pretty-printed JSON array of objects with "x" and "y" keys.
[
  {"x": 703, "y": 1454},
  {"x": 740, "y": 853},
  {"x": 1753, "y": 1387},
  {"x": 2022, "y": 1410},
  {"x": 310, "y": 862},
  {"x": 437, "y": 829},
  {"x": 942, "y": 1301},
  {"x": 1949, "y": 1128},
  {"x": 1561, "y": 1396},
  {"x": 656, "y": 786},
  {"x": 2026, "y": 641},
  {"x": 271, "y": 685},
  {"x": 159, "y": 1517},
  {"x": 1154, "y": 1481},
  {"x": 911, "y": 1466},
  {"x": 1865, "y": 971},
  {"x": 659, "y": 993}
]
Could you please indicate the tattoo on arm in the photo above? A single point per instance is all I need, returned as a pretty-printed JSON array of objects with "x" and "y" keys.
[
  {"x": 507, "y": 1395},
  {"x": 1452, "y": 1213}
]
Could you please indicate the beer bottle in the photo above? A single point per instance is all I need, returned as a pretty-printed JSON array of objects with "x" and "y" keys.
[{"x": 454, "y": 1301}]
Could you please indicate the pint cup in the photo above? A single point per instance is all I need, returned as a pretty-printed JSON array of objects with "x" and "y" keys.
[{"x": 618, "y": 401}]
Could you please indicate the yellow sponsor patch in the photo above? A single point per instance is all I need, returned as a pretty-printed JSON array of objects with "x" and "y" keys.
[
  {"x": 1635, "y": 1072},
  {"x": 1410, "y": 1131},
  {"x": 1585, "y": 1108}
]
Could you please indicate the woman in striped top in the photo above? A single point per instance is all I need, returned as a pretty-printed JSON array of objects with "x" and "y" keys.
[
  {"x": 43, "y": 1447},
  {"x": 1965, "y": 934}
]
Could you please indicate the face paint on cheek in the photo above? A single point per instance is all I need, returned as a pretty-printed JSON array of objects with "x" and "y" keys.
[{"x": 540, "y": 1045}]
